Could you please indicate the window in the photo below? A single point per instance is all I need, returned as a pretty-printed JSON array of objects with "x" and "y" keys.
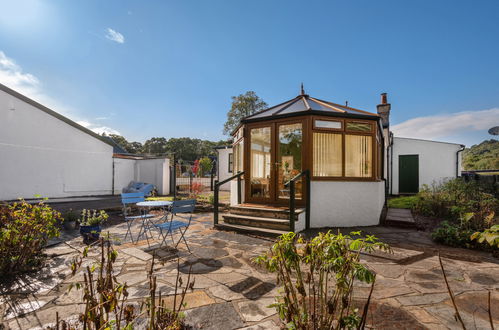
[
  {"x": 346, "y": 149},
  {"x": 327, "y": 154},
  {"x": 238, "y": 157},
  {"x": 231, "y": 162},
  {"x": 327, "y": 124},
  {"x": 358, "y": 156},
  {"x": 359, "y": 127}
]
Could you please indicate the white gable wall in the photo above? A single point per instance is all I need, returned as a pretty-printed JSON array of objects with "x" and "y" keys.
[
  {"x": 41, "y": 154},
  {"x": 437, "y": 160},
  {"x": 223, "y": 166}
]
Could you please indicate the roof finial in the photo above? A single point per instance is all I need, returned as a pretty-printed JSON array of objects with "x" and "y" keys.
[{"x": 302, "y": 90}]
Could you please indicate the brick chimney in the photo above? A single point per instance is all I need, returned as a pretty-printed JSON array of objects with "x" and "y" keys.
[{"x": 384, "y": 110}]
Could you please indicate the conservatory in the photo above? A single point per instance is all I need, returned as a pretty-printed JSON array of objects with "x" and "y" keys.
[{"x": 340, "y": 146}]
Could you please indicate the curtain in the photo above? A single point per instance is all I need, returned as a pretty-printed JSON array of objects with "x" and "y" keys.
[
  {"x": 327, "y": 156},
  {"x": 358, "y": 156}
]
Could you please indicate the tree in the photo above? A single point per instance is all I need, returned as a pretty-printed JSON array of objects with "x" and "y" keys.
[
  {"x": 242, "y": 105},
  {"x": 155, "y": 146},
  {"x": 205, "y": 165},
  {"x": 131, "y": 147}
]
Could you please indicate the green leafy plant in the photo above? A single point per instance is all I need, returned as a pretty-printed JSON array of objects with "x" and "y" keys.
[
  {"x": 92, "y": 217},
  {"x": 24, "y": 231},
  {"x": 489, "y": 236},
  {"x": 317, "y": 278}
]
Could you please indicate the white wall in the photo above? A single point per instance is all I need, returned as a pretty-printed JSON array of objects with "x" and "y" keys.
[
  {"x": 124, "y": 172},
  {"x": 338, "y": 203},
  {"x": 233, "y": 192},
  {"x": 346, "y": 203},
  {"x": 155, "y": 171},
  {"x": 437, "y": 160},
  {"x": 41, "y": 154},
  {"x": 223, "y": 166}
]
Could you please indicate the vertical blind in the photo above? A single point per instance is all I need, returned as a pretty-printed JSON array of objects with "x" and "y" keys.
[
  {"x": 327, "y": 154},
  {"x": 358, "y": 156}
]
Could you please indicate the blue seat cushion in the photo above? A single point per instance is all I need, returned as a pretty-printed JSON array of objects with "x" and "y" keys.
[
  {"x": 147, "y": 216},
  {"x": 171, "y": 226}
]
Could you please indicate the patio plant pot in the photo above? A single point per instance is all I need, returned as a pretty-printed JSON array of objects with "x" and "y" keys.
[
  {"x": 90, "y": 233},
  {"x": 69, "y": 225}
]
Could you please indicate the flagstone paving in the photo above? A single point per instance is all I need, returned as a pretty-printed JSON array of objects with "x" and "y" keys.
[{"x": 230, "y": 292}]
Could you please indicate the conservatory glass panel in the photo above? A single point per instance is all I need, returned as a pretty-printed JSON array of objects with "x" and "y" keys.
[
  {"x": 327, "y": 155},
  {"x": 260, "y": 162},
  {"x": 328, "y": 124},
  {"x": 358, "y": 156},
  {"x": 359, "y": 127},
  {"x": 289, "y": 159}
]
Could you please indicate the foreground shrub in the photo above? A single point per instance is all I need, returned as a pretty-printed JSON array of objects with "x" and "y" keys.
[
  {"x": 24, "y": 232},
  {"x": 489, "y": 236},
  {"x": 106, "y": 299},
  {"x": 317, "y": 278},
  {"x": 466, "y": 206}
]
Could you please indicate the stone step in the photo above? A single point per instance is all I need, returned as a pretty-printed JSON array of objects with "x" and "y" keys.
[
  {"x": 250, "y": 230},
  {"x": 259, "y": 222},
  {"x": 264, "y": 212},
  {"x": 402, "y": 224}
]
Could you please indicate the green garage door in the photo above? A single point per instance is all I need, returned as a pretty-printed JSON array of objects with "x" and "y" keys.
[{"x": 408, "y": 174}]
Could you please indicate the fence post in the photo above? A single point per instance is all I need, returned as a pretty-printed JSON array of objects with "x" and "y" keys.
[
  {"x": 190, "y": 181},
  {"x": 307, "y": 215},
  {"x": 239, "y": 189},
  {"x": 174, "y": 178},
  {"x": 292, "y": 206},
  {"x": 215, "y": 204}
]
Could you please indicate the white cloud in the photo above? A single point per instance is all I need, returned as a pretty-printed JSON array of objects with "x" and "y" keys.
[
  {"x": 115, "y": 36},
  {"x": 97, "y": 128},
  {"x": 12, "y": 76},
  {"x": 431, "y": 127}
]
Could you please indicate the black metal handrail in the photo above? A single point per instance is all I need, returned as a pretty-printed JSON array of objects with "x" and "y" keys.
[
  {"x": 217, "y": 189},
  {"x": 292, "y": 199}
]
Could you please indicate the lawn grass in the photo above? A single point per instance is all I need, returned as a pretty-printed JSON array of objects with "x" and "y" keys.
[{"x": 404, "y": 202}]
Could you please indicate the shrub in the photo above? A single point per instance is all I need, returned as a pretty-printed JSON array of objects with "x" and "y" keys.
[
  {"x": 196, "y": 189},
  {"x": 106, "y": 299},
  {"x": 466, "y": 206},
  {"x": 318, "y": 277},
  {"x": 24, "y": 232},
  {"x": 489, "y": 236},
  {"x": 452, "y": 234}
]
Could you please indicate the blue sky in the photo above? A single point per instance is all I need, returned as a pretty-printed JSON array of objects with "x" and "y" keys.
[{"x": 169, "y": 68}]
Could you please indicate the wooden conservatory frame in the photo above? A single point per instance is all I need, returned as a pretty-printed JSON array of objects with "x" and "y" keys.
[{"x": 309, "y": 120}]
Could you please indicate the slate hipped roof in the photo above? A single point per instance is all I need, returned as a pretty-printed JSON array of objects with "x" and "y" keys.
[{"x": 305, "y": 104}]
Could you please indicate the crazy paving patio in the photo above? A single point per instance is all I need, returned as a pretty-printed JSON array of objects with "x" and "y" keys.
[{"x": 230, "y": 292}]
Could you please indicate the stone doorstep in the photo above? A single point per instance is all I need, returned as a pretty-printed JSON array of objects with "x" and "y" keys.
[{"x": 398, "y": 255}]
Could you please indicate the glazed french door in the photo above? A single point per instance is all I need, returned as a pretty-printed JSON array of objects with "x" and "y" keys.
[{"x": 276, "y": 155}]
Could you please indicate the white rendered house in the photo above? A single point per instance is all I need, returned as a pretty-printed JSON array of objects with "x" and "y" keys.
[
  {"x": 349, "y": 154},
  {"x": 225, "y": 165},
  {"x": 44, "y": 153}
]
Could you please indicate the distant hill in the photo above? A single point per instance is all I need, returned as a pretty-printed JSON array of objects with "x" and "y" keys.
[{"x": 483, "y": 156}]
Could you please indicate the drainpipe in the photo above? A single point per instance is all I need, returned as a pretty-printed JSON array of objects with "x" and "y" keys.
[
  {"x": 390, "y": 174},
  {"x": 457, "y": 159},
  {"x": 112, "y": 182}
]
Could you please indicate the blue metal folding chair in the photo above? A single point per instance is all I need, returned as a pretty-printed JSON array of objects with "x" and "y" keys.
[
  {"x": 132, "y": 198},
  {"x": 169, "y": 227}
]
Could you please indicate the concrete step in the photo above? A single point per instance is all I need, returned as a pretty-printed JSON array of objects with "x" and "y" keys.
[
  {"x": 264, "y": 212},
  {"x": 250, "y": 230},
  {"x": 259, "y": 222},
  {"x": 402, "y": 224}
]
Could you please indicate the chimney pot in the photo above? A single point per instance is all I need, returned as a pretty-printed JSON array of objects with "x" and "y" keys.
[{"x": 384, "y": 98}]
